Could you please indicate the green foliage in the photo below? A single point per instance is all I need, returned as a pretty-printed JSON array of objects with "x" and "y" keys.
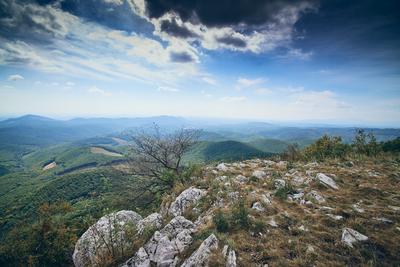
[
  {"x": 282, "y": 192},
  {"x": 231, "y": 150},
  {"x": 326, "y": 147},
  {"x": 47, "y": 242},
  {"x": 240, "y": 215},
  {"x": 365, "y": 144},
  {"x": 221, "y": 222},
  {"x": 391, "y": 146}
]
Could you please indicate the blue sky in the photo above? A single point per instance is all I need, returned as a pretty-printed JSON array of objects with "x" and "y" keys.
[{"x": 322, "y": 61}]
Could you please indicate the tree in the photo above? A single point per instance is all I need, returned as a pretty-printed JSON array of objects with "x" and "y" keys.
[{"x": 159, "y": 155}]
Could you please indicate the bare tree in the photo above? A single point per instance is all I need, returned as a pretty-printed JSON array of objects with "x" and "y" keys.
[{"x": 156, "y": 153}]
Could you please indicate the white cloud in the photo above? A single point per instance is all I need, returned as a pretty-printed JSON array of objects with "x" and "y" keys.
[
  {"x": 168, "y": 89},
  {"x": 15, "y": 77},
  {"x": 320, "y": 100},
  {"x": 233, "y": 98},
  {"x": 244, "y": 82},
  {"x": 69, "y": 84},
  {"x": 263, "y": 91},
  {"x": 98, "y": 91},
  {"x": 295, "y": 53},
  {"x": 209, "y": 80}
]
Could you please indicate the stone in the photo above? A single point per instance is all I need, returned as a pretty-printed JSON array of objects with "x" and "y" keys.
[
  {"x": 258, "y": 207},
  {"x": 272, "y": 222},
  {"x": 233, "y": 195},
  {"x": 201, "y": 256},
  {"x": 164, "y": 246},
  {"x": 259, "y": 174},
  {"x": 314, "y": 195},
  {"x": 327, "y": 181},
  {"x": 187, "y": 198},
  {"x": 222, "y": 167},
  {"x": 281, "y": 164},
  {"x": 231, "y": 258},
  {"x": 241, "y": 179},
  {"x": 358, "y": 208},
  {"x": 335, "y": 217},
  {"x": 350, "y": 236},
  {"x": 183, "y": 240},
  {"x": 153, "y": 221},
  {"x": 141, "y": 259},
  {"x": 383, "y": 219},
  {"x": 109, "y": 231},
  {"x": 266, "y": 199},
  {"x": 279, "y": 183}
]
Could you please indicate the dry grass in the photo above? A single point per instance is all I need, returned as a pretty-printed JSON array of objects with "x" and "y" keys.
[{"x": 306, "y": 235}]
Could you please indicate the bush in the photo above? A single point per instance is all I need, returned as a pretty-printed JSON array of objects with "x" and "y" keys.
[
  {"x": 240, "y": 215},
  {"x": 221, "y": 222},
  {"x": 282, "y": 192},
  {"x": 327, "y": 147}
]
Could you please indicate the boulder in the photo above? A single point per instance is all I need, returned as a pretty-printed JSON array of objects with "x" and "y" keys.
[
  {"x": 327, "y": 181},
  {"x": 231, "y": 258},
  {"x": 350, "y": 236},
  {"x": 279, "y": 183},
  {"x": 188, "y": 197},
  {"x": 201, "y": 256},
  {"x": 109, "y": 232},
  {"x": 241, "y": 179},
  {"x": 164, "y": 246},
  {"x": 222, "y": 167},
  {"x": 314, "y": 195},
  {"x": 153, "y": 221},
  {"x": 259, "y": 174},
  {"x": 141, "y": 259},
  {"x": 258, "y": 207}
]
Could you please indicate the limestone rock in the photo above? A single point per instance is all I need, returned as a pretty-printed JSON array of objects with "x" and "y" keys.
[
  {"x": 327, "y": 181},
  {"x": 153, "y": 221},
  {"x": 201, "y": 256},
  {"x": 188, "y": 197},
  {"x": 241, "y": 179},
  {"x": 141, "y": 259},
  {"x": 316, "y": 196},
  {"x": 279, "y": 183},
  {"x": 93, "y": 246},
  {"x": 222, "y": 167},
  {"x": 258, "y": 207},
  {"x": 350, "y": 236},
  {"x": 259, "y": 174}
]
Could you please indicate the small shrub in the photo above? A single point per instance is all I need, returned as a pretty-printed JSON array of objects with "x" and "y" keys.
[
  {"x": 240, "y": 215},
  {"x": 221, "y": 222},
  {"x": 282, "y": 192}
]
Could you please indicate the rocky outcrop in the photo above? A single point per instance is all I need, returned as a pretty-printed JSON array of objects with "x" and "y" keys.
[
  {"x": 187, "y": 198},
  {"x": 230, "y": 256},
  {"x": 327, "y": 181},
  {"x": 106, "y": 235},
  {"x": 141, "y": 259},
  {"x": 201, "y": 256},
  {"x": 350, "y": 236},
  {"x": 259, "y": 174},
  {"x": 153, "y": 221},
  {"x": 164, "y": 246}
]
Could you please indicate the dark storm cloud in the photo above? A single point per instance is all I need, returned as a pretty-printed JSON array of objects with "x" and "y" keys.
[
  {"x": 233, "y": 41},
  {"x": 222, "y": 13},
  {"x": 172, "y": 28},
  {"x": 115, "y": 16},
  {"x": 181, "y": 57},
  {"x": 17, "y": 22}
]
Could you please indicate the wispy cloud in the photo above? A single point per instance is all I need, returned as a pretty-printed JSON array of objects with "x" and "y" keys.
[
  {"x": 97, "y": 91},
  {"x": 168, "y": 89},
  {"x": 15, "y": 77},
  {"x": 233, "y": 99}
]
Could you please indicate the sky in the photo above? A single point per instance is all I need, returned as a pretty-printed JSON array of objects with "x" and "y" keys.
[{"x": 334, "y": 61}]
